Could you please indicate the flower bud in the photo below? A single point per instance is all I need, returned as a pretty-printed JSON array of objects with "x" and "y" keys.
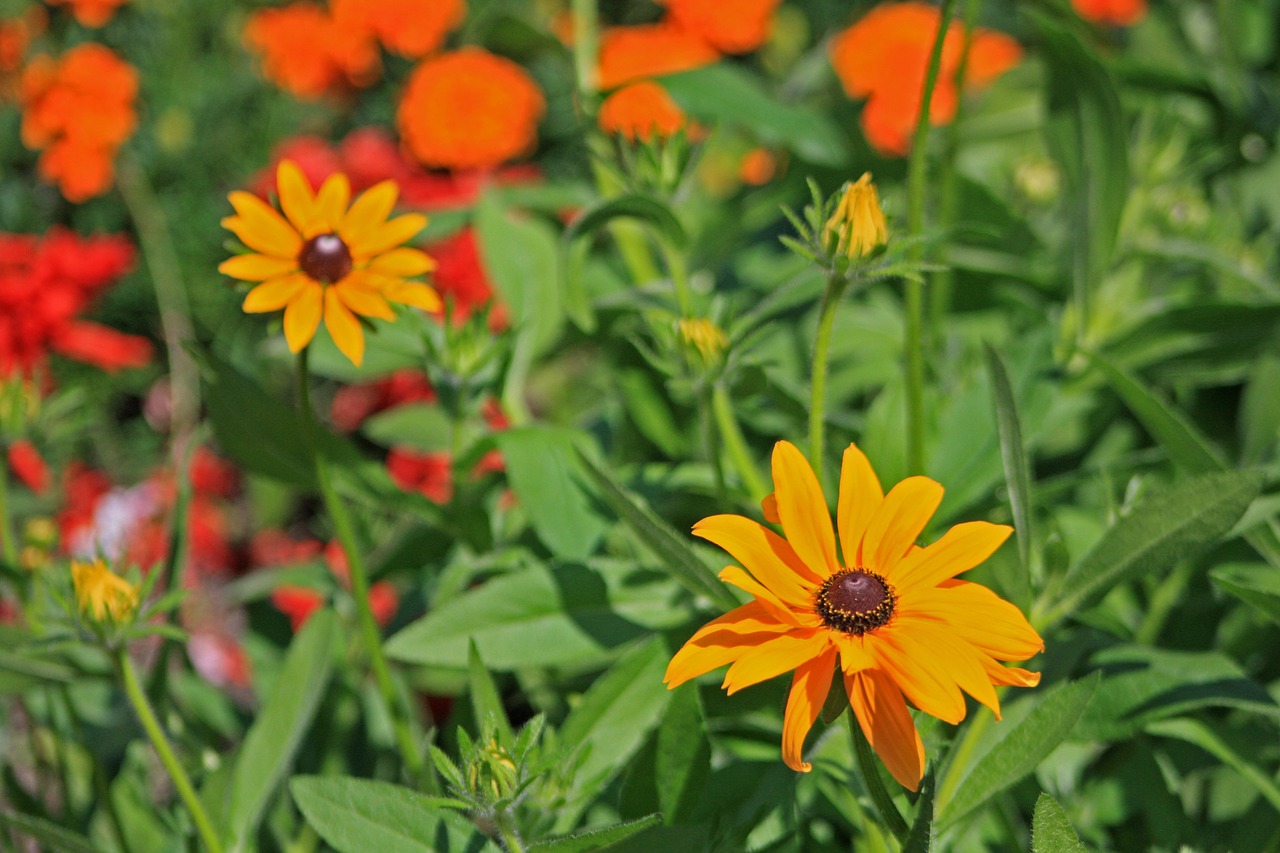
[{"x": 858, "y": 224}]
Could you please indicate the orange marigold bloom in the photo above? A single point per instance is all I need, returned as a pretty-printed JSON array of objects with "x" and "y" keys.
[
  {"x": 411, "y": 28},
  {"x": 469, "y": 109},
  {"x": 758, "y": 166},
  {"x": 1117, "y": 13},
  {"x": 884, "y": 57},
  {"x": 640, "y": 111},
  {"x": 651, "y": 50},
  {"x": 91, "y": 13},
  {"x": 79, "y": 109},
  {"x": 735, "y": 27},
  {"x": 890, "y": 613},
  {"x": 306, "y": 52}
]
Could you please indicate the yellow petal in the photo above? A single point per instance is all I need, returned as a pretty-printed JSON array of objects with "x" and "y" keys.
[
  {"x": 976, "y": 615},
  {"x": 296, "y": 199},
  {"x": 860, "y": 497},
  {"x": 1008, "y": 676},
  {"x": 780, "y": 609},
  {"x": 261, "y": 228},
  {"x": 911, "y": 665},
  {"x": 886, "y": 722},
  {"x": 723, "y": 641},
  {"x": 331, "y": 204},
  {"x": 387, "y": 236},
  {"x": 343, "y": 327},
  {"x": 763, "y": 553},
  {"x": 898, "y": 522},
  {"x": 809, "y": 690},
  {"x": 275, "y": 294},
  {"x": 368, "y": 211},
  {"x": 402, "y": 263},
  {"x": 257, "y": 267},
  {"x": 413, "y": 294},
  {"x": 303, "y": 316},
  {"x": 959, "y": 550},
  {"x": 780, "y": 654},
  {"x": 363, "y": 300},
  {"x": 803, "y": 510},
  {"x": 959, "y": 660},
  {"x": 853, "y": 653}
]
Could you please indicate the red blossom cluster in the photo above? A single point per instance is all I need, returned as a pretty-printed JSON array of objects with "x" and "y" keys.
[
  {"x": 46, "y": 282},
  {"x": 299, "y": 602}
]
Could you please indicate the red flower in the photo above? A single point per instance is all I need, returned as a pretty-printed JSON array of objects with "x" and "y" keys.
[
  {"x": 212, "y": 475},
  {"x": 27, "y": 466},
  {"x": 429, "y": 474},
  {"x": 296, "y": 602},
  {"x": 354, "y": 404},
  {"x": 460, "y": 277}
]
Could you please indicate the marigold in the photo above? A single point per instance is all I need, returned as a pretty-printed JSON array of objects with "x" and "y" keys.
[
  {"x": 411, "y": 28},
  {"x": 322, "y": 259},
  {"x": 884, "y": 57},
  {"x": 641, "y": 111},
  {"x": 91, "y": 13},
  {"x": 1117, "y": 13},
  {"x": 628, "y": 54},
  {"x": 101, "y": 593},
  {"x": 893, "y": 614},
  {"x": 79, "y": 109},
  {"x": 307, "y": 52},
  {"x": 469, "y": 109},
  {"x": 743, "y": 27}
]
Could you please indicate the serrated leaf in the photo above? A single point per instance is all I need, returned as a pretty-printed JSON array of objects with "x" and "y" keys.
[
  {"x": 1258, "y": 586},
  {"x": 595, "y": 839},
  {"x": 1051, "y": 832},
  {"x": 541, "y": 464},
  {"x": 920, "y": 838}
]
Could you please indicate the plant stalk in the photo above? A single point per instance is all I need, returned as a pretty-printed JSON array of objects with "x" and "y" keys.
[
  {"x": 8, "y": 545},
  {"x": 836, "y": 285},
  {"x": 736, "y": 444},
  {"x": 867, "y": 763}
]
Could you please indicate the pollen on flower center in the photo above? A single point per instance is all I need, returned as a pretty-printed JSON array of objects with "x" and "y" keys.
[
  {"x": 855, "y": 601},
  {"x": 325, "y": 258}
]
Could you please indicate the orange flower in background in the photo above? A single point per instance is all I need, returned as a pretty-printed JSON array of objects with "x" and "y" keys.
[
  {"x": 744, "y": 26},
  {"x": 307, "y": 52},
  {"x": 411, "y": 28},
  {"x": 758, "y": 166},
  {"x": 634, "y": 53},
  {"x": 1117, "y": 13},
  {"x": 16, "y": 34},
  {"x": 90, "y": 13},
  {"x": 890, "y": 614},
  {"x": 884, "y": 57},
  {"x": 469, "y": 109},
  {"x": 640, "y": 111},
  {"x": 79, "y": 110},
  {"x": 326, "y": 260}
]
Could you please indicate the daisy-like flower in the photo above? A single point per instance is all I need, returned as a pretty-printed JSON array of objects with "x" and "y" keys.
[
  {"x": 892, "y": 614},
  {"x": 324, "y": 260}
]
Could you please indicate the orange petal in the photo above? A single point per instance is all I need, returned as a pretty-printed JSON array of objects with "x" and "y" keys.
[
  {"x": 296, "y": 199},
  {"x": 959, "y": 550},
  {"x": 960, "y": 661},
  {"x": 363, "y": 300},
  {"x": 769, "y": 508},
  {"x": 368, "y": 211},
  {"x": 897, "y": 523},
  {"x": 803, "y": 510},
  {"x": 343, "y": 327},
  {"x": 723, "y": 641},
  {"x": 860, "y": 497},
  {"x": 886, "y": 722},
  {"x": 387, "y": 236},
  {"x": 925, "y": 680},
  {"x": 853, "y": 653},
  {"x": 1008, "y": 676},
  {"x": 977, "y": 616},
  {"x": 780, "y": 654},
  {"x": 257, "y": 267},
  {"x": 402, "y": 263},
  {"x": 302, "y": 316},
  {"x": 783, "y": 611},
  {"x": 809, "y": 690},
  {"x": 413, "y": 294},
  {"x": 275, "y": 294},
  {"x": 331, "y": 204},
  {"x": 261, "y": 228},
  {"x": 764, "y": 553}
]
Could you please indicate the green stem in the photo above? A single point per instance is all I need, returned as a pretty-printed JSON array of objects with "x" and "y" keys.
[
  {"x": 869, "y": 765},
  {"x": 736, "y": 445},
  {"x": 711, "y": 438},
  {"x": 509, "y": 834},
  {"x": 917, "y": 175},
  {"x": 678, "y": 269},
  {"x": 133, "y": 689},
  {"x": 586, "y": 48},
  {"x": 8, "y": 545},
  {"x": 345, "y": 531},
  {"x": 818, "y": 385}
]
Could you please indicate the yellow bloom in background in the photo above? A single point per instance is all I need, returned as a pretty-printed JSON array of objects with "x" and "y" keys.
[
  {"x": 102, "y": 593},
  {"x": 326, "y": 260},
  {"x": 705, "y": 336},
  {"x": 858, "y": 223},
  {"x": 892, "y": 614}
]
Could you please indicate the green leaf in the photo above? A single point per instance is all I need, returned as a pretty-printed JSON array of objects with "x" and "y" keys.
[
  {"x": 1253, "y": 584},
  {"x": 631, "y": 206},
  {"x": 22, "y": 670},
  {"x": 1013, "y": 454},
  {"x": 1174, "y": 525},
  {"x": 359, "y": 815},
  {"x": 1260, "y": 411},
  {"x": 539, "y": 616},
  {"x": 1016, "y": 753},
  {"x": 1196, "y": 732},
  {"x": 1051, "y": 832},
  {"x": 542, "y": 469},
  {"x": 486, "y": 703},
  {"x": 595, "y": 839},
  {"x": 269, "y": 746},
  {"x": 520, "y": 253},
  {"x": 677, "y": 557},
  {"x": 683, "y": 757},
  {"x": 651, "y": 412},
  {"x": 920, "y": 838},
  {"x": 47, "y": 833}
]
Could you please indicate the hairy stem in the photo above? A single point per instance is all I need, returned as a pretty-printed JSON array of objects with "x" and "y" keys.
[{"x": 818, "y": 383}]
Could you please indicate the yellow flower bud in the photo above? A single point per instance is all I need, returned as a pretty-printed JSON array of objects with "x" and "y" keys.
[
  {"x": 102, "y": 593},
  {"x": 858, "y": 223},
  {"x": 705, "y": 336}
]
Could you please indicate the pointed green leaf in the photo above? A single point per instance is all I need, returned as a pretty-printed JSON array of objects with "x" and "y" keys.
[
  {"x": 595, "y": 839},
  {"x": 542, "y": 469},
  {"x": 1013, "y": 454},
  {"x": 486, "y": 703},
  {"x": 1198, "y": 733},
  {"x": 47, "y": 833},
  {"x": 1051, "y": 832},
  {"x": 631, "y": 206},
  {"x": 1256, "y": 585},
  {"x": 683, "y": 757},
  {"x": 920, "y": 839}
]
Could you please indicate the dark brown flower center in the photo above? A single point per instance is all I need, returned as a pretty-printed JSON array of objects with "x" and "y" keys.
[
  {"x": 325, "y": 258},
  {"x": 855, "y": 601}
]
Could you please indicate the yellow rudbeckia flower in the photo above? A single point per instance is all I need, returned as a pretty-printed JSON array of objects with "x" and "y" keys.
[
  {"x": 102, "y": 593},
  {"x": 327, "y": 259}
]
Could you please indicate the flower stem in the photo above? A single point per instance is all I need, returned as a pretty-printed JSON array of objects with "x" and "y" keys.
[
  {"x": 917, "y": 174},
  {"x": 735, "y": 444},
  {"x": 711, "y": 438},
  {"x": 8, "y": 545},
  {"x": 586, "y": 46},
  {"x": 889, "y": 813},
  {"x": 678, "y": 269},
  {"x": 818, "y": 385},
  {"x": 342, "y": 525},
  {"x": 508, "y": 833},
  {"x": 133, "y": 689}
]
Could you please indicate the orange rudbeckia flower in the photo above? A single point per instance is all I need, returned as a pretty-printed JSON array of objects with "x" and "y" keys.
[
  {"x": 892, "y": 614},
  {"x": 324, "y": 260}
]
